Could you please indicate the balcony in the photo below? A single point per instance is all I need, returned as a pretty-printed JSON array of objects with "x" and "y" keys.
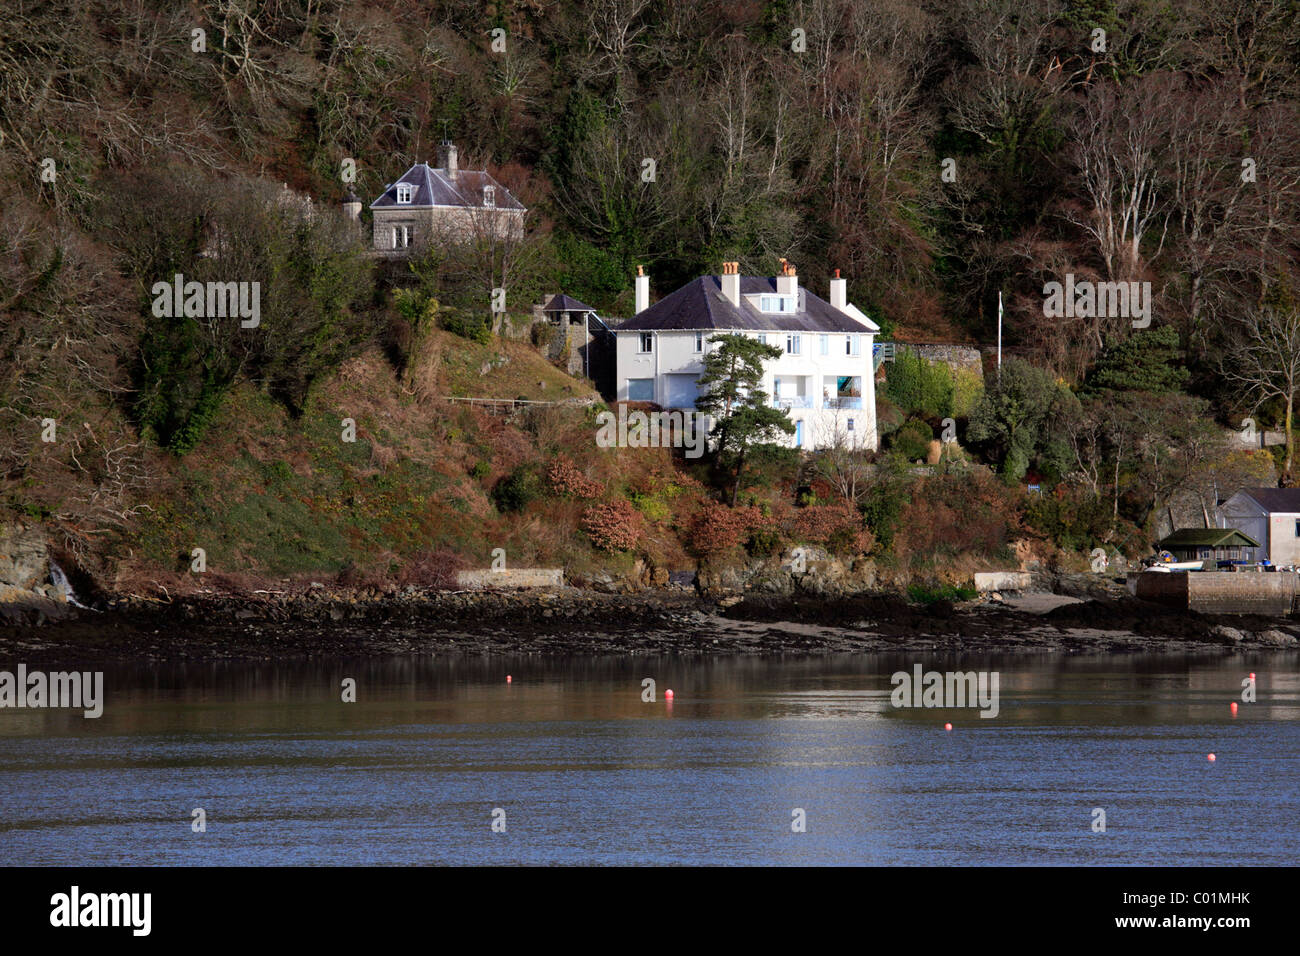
[
  {"x": 788, "y": 403},
  {"x": 845, "y": 402}
]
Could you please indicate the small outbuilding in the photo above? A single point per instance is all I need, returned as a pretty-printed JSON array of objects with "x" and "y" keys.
[{"x": 1210, "y": 544}]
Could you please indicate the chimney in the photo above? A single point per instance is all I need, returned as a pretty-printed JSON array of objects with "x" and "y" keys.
[
  {"x": 447, "y": 158},
  {"x": 352, "y": 206},
  {"x": 839, "y": 294},
  {"x": 787, "y": 283},
  {"x": 731, "y": 282},
  {"x": 642, "y": 291}
]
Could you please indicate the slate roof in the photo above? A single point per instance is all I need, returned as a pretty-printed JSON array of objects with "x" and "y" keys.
[
  {"x": 1207, "y": 538},
  {"x": 565, "y": 303},
  {"x": 434, "y": 188},
  {"x": 700, "y": 304},
  {"x": 1276, "y": 500}
]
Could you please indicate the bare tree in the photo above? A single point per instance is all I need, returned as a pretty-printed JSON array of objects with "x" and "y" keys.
[{"x": 1264, "y": 358}]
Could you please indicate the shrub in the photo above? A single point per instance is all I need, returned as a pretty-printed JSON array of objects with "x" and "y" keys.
[
  {"x": 917, "y": 385},
  {"x": 567, "y": 480},
  {"x": 836, "y": 526},
  {"x": 615, "y": 526},
  {"x": 480, "y": 470},
  {"x": 518, "y": 489},
  {"x": 912, "y": 441},
  {"x": 715, "y": 528}
]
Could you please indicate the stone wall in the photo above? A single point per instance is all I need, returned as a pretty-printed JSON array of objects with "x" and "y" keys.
[
  {"x": 958, "y": 356},
  {"x": 1221, "y": 592}
]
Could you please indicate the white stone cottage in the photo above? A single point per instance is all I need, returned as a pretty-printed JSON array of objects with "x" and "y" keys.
[
  {"x": 824, "y": 378},
  {"x": 443, "y": 204}
]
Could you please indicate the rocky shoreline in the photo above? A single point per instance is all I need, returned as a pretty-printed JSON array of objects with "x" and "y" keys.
[{"x": 326, "y": 623}]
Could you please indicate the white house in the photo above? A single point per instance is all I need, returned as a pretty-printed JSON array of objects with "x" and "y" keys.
[
  {"x": 1269, "y": 515},
  {"x": 824, "y": 378}
]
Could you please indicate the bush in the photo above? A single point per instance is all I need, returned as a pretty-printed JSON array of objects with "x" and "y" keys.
[
  {"x": 917, "y": 385},
  {"x": 518, "y": 489},
  {"x": 715, "y": 528},
  {"x": 568, "y": 481},
  {"x": 912, "y": 441},
  {"x": 613, "y": 527},
  {"x": 926, "y": 594},
  {"x": 836, "y": 526}
]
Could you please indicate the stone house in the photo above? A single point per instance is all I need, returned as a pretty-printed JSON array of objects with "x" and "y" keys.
[{"x": 443, "y": 204}]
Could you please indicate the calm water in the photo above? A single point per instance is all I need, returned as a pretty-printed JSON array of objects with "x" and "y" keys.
[{"x": 589, "y": 774}]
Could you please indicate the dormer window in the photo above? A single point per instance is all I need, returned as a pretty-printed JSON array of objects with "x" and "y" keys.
[
  {"x": 776, "y": 303},
  {"x": 405, "y": 191},
  {"x": 489, "y": 196}
]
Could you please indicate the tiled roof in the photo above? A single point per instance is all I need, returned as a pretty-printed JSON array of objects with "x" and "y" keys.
[
  {"x": 1276, "y": 500},
  {"x": 1207, "y": 538},
  {"x": 701, "y": 304},
  {"x": 433, "y": 187},
  {"x": 564, "y": 303}
]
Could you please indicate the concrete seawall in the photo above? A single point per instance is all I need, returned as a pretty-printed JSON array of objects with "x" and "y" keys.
[
  {"x": 1221, "y": 592},
  {"x": 519, "y": 578}
]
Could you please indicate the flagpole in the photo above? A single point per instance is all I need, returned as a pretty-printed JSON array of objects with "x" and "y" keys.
[{"x": 999, "y": 336}]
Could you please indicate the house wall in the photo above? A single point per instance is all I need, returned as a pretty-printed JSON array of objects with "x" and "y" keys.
[
  {"x": 1276, "y": 532},
  {"x": 674, "y": 354},
  {"x": 1283, "y": 545},
  {"x": 444, "y": 224}
]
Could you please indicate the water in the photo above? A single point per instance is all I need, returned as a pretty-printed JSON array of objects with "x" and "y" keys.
[{"x": 589, "y": 774}]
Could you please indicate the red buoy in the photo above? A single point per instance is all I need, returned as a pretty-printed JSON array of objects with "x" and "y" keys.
[
  {"x": 1233, "y": 707},
  {"x": 1211, "y": 758},
  {"x": 508, "y": 678},
  {"x": 947, "y": 726},
  {"x": 668, "y": 695}
]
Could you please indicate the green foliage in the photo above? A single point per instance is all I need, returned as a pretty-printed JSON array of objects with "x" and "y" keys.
[
  {"x": 882, "y": 509},
  {"x": 915, "y": 384},
  {"x": 731, "y": 395},
  {"x": 912, "y": 441},
  {"x": 1146, "y": 361},
  {"x": 518, "y": 489},
  {"x": 1073, "y": 522},
  {"x": 935, "y": 594},
  {"x": 1017, "y": 418}
]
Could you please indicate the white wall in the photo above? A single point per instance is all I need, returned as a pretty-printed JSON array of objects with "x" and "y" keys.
[{"x": 674, "y": 353}]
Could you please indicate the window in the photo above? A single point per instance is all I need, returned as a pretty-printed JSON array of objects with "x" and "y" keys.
[
  {"x": 489, "y": 196},
  {"x": 852, "y": 345},
  {"x": 762, "y": 338},
  {"x": 404, "y": 192},
  {"x": 798, "y": 434},
  {"x": 850, "y": 424},
  {"x": 401, "y": 237},
  {"x": 699, "y": 341},
  {"x": 640, "y": 390},
  {"x": 1297, "y": 529},
  {"x": 792, "y": 344},
  {"x": 647, "y": 342},
  {"x": 825, "y": 342},
  {"x": 776, "y": 303}
]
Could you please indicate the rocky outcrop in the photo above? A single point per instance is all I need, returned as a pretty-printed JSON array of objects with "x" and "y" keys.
[
  {"x": 27, "y": 595},
  {"x": 805, "y": 570}
]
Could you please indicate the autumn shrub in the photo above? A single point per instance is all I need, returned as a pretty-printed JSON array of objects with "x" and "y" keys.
[
  {"x": 716, "y": 528},
  {"x": 614, "y": 526},
  {"x": 566, "y": 480},
  {"x": 949, "y": 514},
  {"x": 838, "y": 527},
  {"x": 431, "y": 569}
]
